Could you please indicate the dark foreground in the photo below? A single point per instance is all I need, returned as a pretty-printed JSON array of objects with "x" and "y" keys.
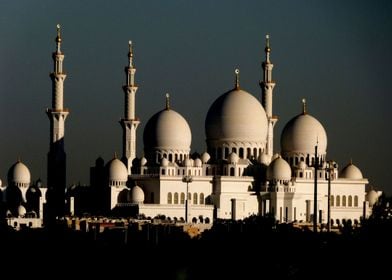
[{"x": 253, "y": 249}]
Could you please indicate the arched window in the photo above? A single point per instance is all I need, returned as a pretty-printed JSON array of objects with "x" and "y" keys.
[
  {"x": 201, "y": 198},
  {"x": 195, "y": 198},
  {"x": 338, "y": 200},
  {"x": 175, "y": 198},
  {"x": 231, "y": 171},
  {"x": 248, "y": 152},
  {"x": 169, "y": 198},
  {"x": 255, "y": 152},
  {"x": 182, "y": 198},
  {"x": 350, "y": 201},
  {"x": 226, "y": 152},
  {"x": 332, "y": 200},
  {"x": 170, "y": 157},
  {"x": 241, "y": 153},
  {"x": 344, "y": 201},
  {"x": 355, "y": 201}
]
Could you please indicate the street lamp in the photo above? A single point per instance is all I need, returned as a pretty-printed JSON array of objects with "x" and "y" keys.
[
  {"x": 330, "y": 169},
  {"x": 187, "y": 179}
]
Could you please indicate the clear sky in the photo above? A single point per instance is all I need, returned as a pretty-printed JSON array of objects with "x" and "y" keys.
[{"x": 336, "y": 54}]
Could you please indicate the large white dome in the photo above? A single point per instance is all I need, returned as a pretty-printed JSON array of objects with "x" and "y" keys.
[
  {"x": 18, "y": 174},
  {"x": 117, "y": 170},
  {"x": 167, "y": 130},
  {"x": 301, "y": 134},
  {"x": 236, "y": 116}
]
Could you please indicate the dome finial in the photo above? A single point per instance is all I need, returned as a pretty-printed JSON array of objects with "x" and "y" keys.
[
  {"x": 237, "y": 78},
  {"x": 351, "y": 161},
  {"x": 115, "y": 155},
  {"x": 167, "y": 101},
  {"x": 303, "y": 106}
]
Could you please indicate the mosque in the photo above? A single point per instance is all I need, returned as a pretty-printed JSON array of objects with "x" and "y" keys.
[{"x": 238, "y": 175}]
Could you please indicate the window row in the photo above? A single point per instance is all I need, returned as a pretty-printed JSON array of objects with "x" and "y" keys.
[
  {"x": 344, "y": 201},
  {"x": 180, "y": 199},
  {"x": 223, "y": 153}
]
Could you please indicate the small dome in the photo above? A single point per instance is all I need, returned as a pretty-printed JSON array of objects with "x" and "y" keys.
[
  {"x": 167, "y": 130},
  {"x": 21, "y": 211},
  {"x": 279, "y": 169},
  {"x": 205, "y": 157},
  {"x": 137, "y": 195},
  {"x": 372, "y": 197},
  {"x": 164, "y": 162},
  {"x": 236, "y": 116},
  {"x": 233, "y": 158},
  {"x": 264, "y": 159},
  {"x": 302, "y": 165},
  {"x": 198, "y": 162},
  {"x": 19, "y": 174},
  {"x": 143, "y": 161},
  {"x": 117, "y": 170},
  {"x": 187, "y": 162},
  {"x": 301, "y": 134},
  {"x": 351, "y": 172}
]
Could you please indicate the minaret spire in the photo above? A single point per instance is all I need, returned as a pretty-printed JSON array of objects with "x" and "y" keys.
[
  {"x": 57, "y": 116},
  {"x": 129, "y": 122},
  {"x": 267, "y": 86},
  {"x": 58, "y": 39},
  {"x": 267, "y": 48}
]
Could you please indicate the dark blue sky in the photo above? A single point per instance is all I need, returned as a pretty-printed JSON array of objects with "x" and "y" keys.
[{"x": 336, "y": 54}]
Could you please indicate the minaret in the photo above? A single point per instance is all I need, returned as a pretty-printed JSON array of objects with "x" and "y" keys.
[
  {"x": 129, "y": 123},
  {"x": 267, "y": 86},
  {"x": 57, "y": 116}
]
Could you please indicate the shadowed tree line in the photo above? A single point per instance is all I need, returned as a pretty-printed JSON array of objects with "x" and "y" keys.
[{"x": 255, "y": 248}]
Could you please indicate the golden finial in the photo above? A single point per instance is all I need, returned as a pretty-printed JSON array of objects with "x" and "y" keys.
[
  {"x": 58, "y": 38},
  {"x": 130, "y": 48},
  {"x": 167, "y": 101},
  {"x": 237, "y": 78},
  {"x": 267, "y": 43},
  {"x": 303, "y": 106},
  {"x": 115, "y": 155}
]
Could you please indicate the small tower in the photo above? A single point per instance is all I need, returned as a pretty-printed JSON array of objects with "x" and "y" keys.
[
  {"x": 267, "y": 86},
  {"x": 57, "y": 116},
  {"x": 129, "y": 123}
]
